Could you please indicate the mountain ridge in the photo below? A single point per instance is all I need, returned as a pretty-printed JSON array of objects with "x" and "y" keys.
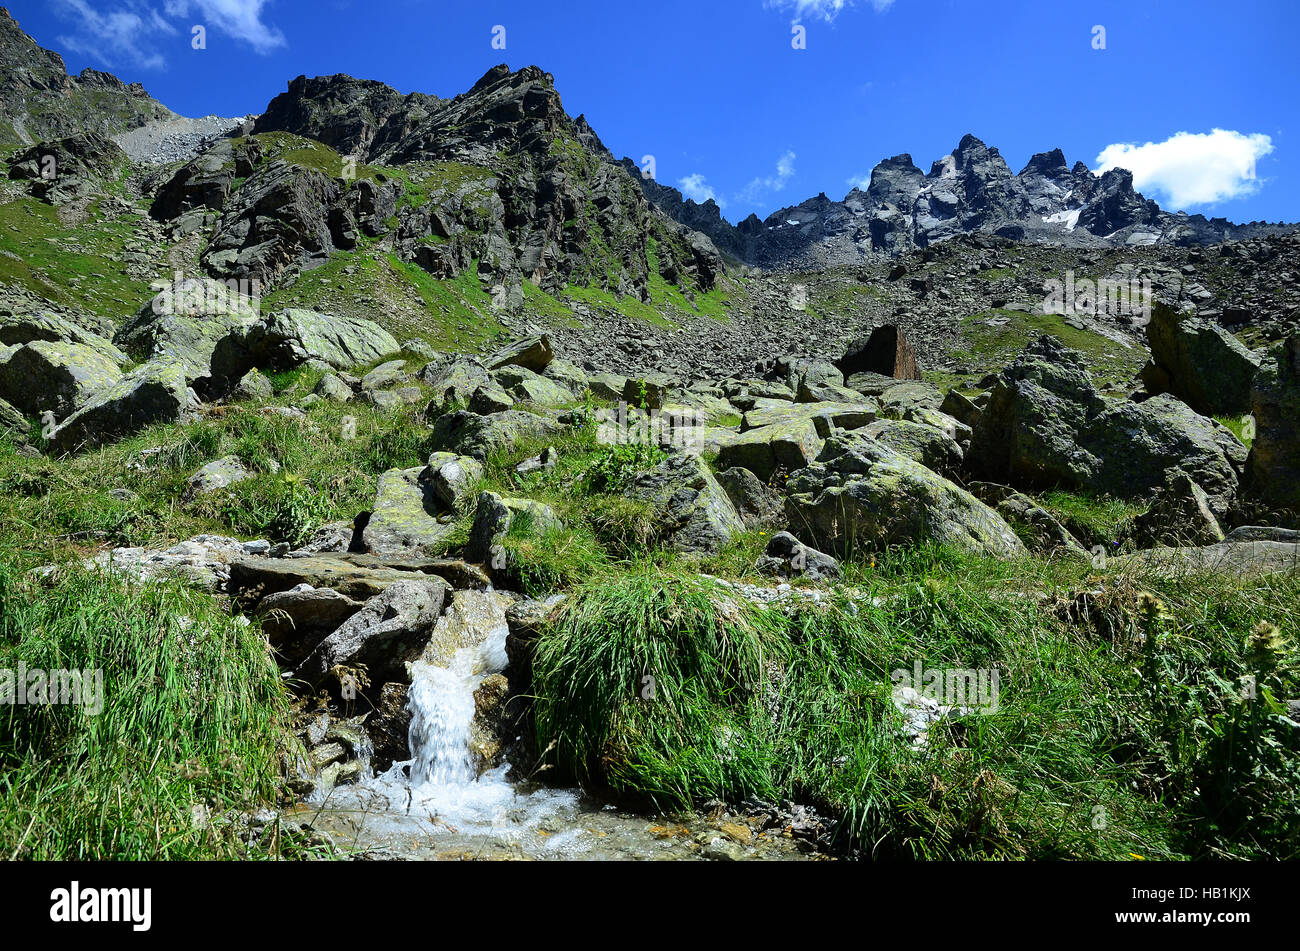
[
  {"x": 969, "y": 190},
  {"x": 39, "y": 100},
  {"x": 902, "y": 209}
]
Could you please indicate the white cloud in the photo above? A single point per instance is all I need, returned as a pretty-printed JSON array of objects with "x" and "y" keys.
[
  {"x": 826, "y": 10},
  {"x": 132, "y": 32},
  {"x": 124, "y": 35},
  {"x": 241, "y": 19},
  {"x": 696, "y": 188},
  {"x": 1192, "y": 168},
  {"x": 859, "y": 181},
  {"x": 770, "y": 183}
]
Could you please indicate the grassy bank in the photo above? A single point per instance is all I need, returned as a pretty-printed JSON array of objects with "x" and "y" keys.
[
  {"x": 1123, "y": 727},
  {"x": 189, "y": 733}
]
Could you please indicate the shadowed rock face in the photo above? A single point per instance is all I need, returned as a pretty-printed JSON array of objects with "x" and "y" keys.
[
  {"x": 1273, "y": 469},
  {"x": 886, "y": 352},
  {"x": 67, "y": 169},
  {"x": 1199, "y": 362}
]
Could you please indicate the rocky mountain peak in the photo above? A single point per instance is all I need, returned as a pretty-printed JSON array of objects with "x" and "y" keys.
[
  {"x": 506, "y": 182},
  {"x": 970, "y": 190},
  {"x": 1047, "y": 163},
  {"x": 39, "y": 100}
]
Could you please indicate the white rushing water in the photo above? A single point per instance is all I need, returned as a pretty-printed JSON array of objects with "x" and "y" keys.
[
  {"x": 437, "y": 805},
  {"x": 439, "y": 791}
]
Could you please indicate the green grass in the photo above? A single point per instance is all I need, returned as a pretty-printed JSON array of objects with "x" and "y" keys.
[
  {"x": 1094, "y": 520},
  {"x": 192, "y": 728},
  {"x": 1238, "y": 426},
  {"x": 58, "y": 510},
  {"x": 78, "y": 266},
  {"x": 451, "y": 315},
  {"x": 1103, "y": 747},
  {"x": 1120, "y": 730}
]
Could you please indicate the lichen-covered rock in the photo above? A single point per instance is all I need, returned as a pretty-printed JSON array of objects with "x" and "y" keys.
[
  {"x": 544, "y": 461},
  {"x": 1046, "y": 425},
  {"x": 204, "y": 561},
  {"x": 358, "y": 576},
  {"x": 453, "y": 479},
  {"x": 931, "y": 447},
  {"x": 827, "y": 393},
  {"x": 17, "y": 329},
  {"x": 529, "y": 387},
  {"x": 897, "y": 400},
  {"x": 216, "y": 475},
  {"x": 331, "y": 387},
  {"x": 388, "y": 632},
  {"x": 759, "y": 505},
  {"x": 297, "y": 620},
  {"x": 569, "y": 375},
  {"x": 13, "y": 422},
  {"x": 650, "y": 391},
  {"x": 154, "y": 393},
  {"x": 1199, "y": 362},
  {"x": 826, "y": 416},
  {"x": 55, "y": 376},
  {"x": 454, "y": 383},
  {"x": 490, "y": 398},
  {"x": 960, "y": 407},
  {"x": 384, "y": 375},
  {"x": 692, "y": 511},
  {"x": 405, "y": 514},
  {"x": 789, "y": 446},
  {"x": 469, "y": 434},
  {"x": 253, "y": 387},
  {"x": 788, "y": 557},
  {"x": 1249, "y": 559},
  {"x": 926, "y": 416},
  {"x": 291, "y": 337},
  {"x": 1273, "y": 469},
  {"x": 493, "y": 519},
  {"x": 531, "y": 353},
  {"x": 85, "y": 162},
  {"x": 279, "y": 218},
  {"x": 187, "y": 321},
  {"x": 868, "y": 383},
  {"x": 607, "y": 386},
  {"x": 1144, "y": 446},
  {"x": 861, "y": 494},
  {"x": 799, "y": 372}
]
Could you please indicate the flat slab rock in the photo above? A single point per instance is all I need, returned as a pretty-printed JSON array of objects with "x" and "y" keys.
[
  {"x": 203, "y": 561},
  {"x": 1239, "y": 559},
  {"x": 359, "y": 577}
]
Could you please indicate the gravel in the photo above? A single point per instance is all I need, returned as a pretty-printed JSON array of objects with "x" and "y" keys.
[{"x": 177, "y": 140}]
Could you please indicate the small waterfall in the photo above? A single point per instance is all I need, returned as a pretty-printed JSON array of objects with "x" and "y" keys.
[
  {"x": 468, "y": 645},
  {"x": 439, "y": 792},
  {"x": 441, "y": 701}
]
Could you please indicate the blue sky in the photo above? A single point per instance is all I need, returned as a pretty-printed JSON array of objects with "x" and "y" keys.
[{"x": 1197, "y": 96}]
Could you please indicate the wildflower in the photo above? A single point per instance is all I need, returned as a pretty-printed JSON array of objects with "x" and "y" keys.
[
  {"x": 1265, "y": 646},
  {"x": 1151, "y": 607}
]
